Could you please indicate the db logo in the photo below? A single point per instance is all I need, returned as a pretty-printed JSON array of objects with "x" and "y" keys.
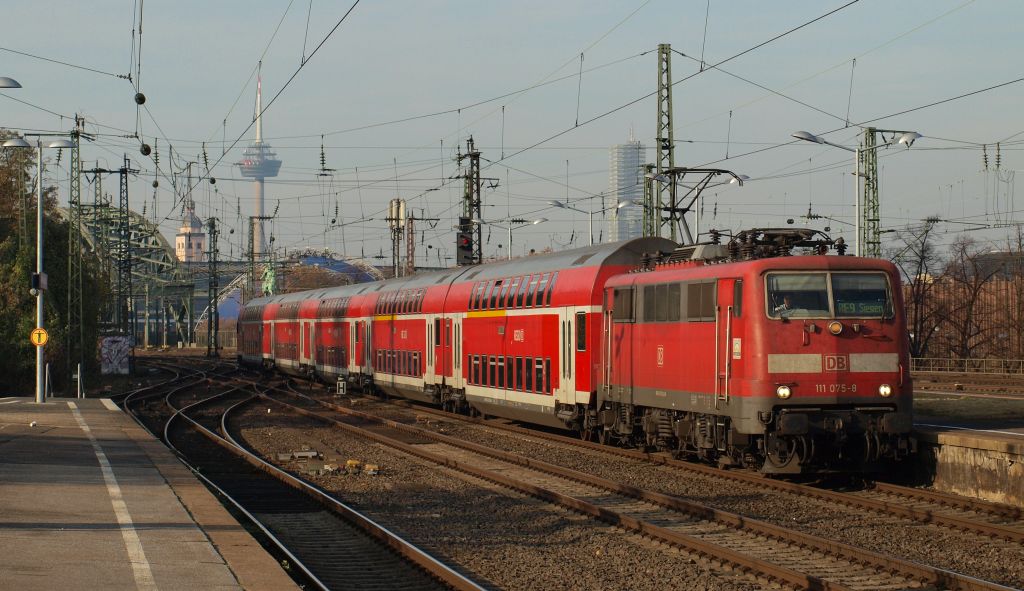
[
  {"x": 519, "y": 335},
  {"x": 661, "y": 356},
  {"x": 837, "y": 363}
]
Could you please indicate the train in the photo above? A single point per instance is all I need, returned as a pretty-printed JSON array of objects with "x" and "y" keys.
[{"x": 774, "y": 351}]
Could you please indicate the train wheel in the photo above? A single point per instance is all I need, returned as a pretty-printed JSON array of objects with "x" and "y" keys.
[{"x": 780, "y": 452}]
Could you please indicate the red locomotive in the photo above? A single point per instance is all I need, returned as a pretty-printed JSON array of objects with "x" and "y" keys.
[{"x": 738, "y": 353}]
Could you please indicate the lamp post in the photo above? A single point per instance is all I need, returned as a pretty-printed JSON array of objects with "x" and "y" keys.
[
  {"x": 906, "y": 138},
  {"x": 39, "y": 279},
  {"x": 561, "y": 205},
  {"x": 513, "y": 223}
]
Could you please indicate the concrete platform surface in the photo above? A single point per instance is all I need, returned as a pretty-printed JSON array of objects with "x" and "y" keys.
[{"x": 89, "y": 500}]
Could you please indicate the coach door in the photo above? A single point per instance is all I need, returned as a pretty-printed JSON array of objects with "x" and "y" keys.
[
  {"x": 565, "y": 392},
  {"x": 444, "y": 351},
  {"x": 455, "y": 352},
  {"x": 368, "y": 346},
  {"x": 307, "y": 343},
  {"x": 432, "y": 346},
  {"x": 728, "y": 337},
  {"x": 618, "y": 343}
]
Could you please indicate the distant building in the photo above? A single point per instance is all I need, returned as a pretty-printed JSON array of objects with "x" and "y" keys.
[
  {"x": 626, "y": 183},
  {"x": 190, "y": 241}
]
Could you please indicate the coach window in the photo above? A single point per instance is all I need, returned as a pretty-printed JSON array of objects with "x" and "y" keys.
[
  {"x": 501, "y": 372},
  {"x": 541, "y": 380},
  {"x": 495, "y": 294},
  {"x": 512, "y": 291},
  {"x": 509, "y": 383},
  {"x": 492, "y": 377},
  {"x": 551, "y": 288},
  {"x": 737, "y": 298},
  {"x": 533, "y": 290},
  {"x": 521, "y": 296},
  {"x": 622, "y": 307},
  {"x": 581, "y": 331},
  {"x": 650, "y": 303},
  {"x": 674, "y": 305},
  {"x": 437, "y": 332},
  {"x": 542, "y": 290}
]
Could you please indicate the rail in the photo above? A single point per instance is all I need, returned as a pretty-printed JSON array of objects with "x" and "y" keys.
[{"x": 981, "y": 366}]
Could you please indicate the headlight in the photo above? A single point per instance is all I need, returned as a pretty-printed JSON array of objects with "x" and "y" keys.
[
  {"x": 885, "y": 390},
  {"x": 835, "y": 327},
  {"x": 783, "y": 392}
]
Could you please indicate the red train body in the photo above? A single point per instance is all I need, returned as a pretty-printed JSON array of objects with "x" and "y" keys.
[{"x": 787, "y": 364}]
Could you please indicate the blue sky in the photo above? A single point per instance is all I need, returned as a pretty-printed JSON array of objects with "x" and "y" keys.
[{"x": 398, "y": 59}]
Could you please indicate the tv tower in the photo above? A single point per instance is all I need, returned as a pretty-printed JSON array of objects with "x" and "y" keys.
[{"x": 259, "y": 162}]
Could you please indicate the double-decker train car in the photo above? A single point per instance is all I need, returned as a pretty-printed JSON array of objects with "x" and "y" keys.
[{"x": 738, "y": 354}]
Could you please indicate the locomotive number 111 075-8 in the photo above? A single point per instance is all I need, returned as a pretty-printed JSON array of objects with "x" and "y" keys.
[{"x": 835, "y": 388}]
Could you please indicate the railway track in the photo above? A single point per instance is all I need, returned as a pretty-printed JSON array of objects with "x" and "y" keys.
[
  {"x": 994, "y": 520},
  {"x": 334, "y": 546},
  {"x": 786, "y": 557},
  {"x": 969, "y": 383}
]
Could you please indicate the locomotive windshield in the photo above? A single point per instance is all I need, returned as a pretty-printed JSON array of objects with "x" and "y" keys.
[{"x": 828, "y": 295}]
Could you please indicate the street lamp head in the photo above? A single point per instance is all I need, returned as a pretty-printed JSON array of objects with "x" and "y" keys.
[
  {"x": 539, "y": 221},
  {"x": 908, "y": 138},
  {"x": 624, "y": 203},
  {"x": 61, "y": 144},
  {"x": 554, "y": 203},
  {"x": 808, "y": 137},
  {"x": 17, "y": 142},
  {"x": 657, "y": 177},
  {"x": 6, "y": 82},
  {"x": 738, "y": 179}
]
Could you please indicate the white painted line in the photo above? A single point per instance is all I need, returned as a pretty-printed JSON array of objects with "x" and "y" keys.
[
  {"x": 136, "y": 555},
  {"x": 10, "y": 402},
  {"x": 7, "y": 398},
  {"x": 1014, "y": 433},
  {"x": 109, "y": 404}
]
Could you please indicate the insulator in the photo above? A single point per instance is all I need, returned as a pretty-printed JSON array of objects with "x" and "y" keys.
[
  {"x": 840, "y": 246},
  {"x": 716, "y": 237},
  {"x": 984, "y": 156},
  {"x": 747, "y": 248},
  {"x": 156, "y": 183},
  {"x": 213, "y": 181},
  {"x": 206, "y": 157},
  {"x": 999, "y": 157},
  {"x": 140, "y": 99},
  {"x": 734, "y": 249}
]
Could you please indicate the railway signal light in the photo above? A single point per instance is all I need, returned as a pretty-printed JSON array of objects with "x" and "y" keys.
[{"x": 464, "y": 243}]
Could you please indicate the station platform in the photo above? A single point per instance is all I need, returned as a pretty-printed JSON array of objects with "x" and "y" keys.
[
  {"x": 91, "y": 501},
  {"x": 971, "y": 444}
]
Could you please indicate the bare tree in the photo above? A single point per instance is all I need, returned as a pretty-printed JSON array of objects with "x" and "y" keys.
[
  {"x": 970, "y": 333},
  {"x": 920, "y": 262}
]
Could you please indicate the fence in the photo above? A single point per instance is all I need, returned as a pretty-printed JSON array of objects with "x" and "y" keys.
[{"x": 989, "y": 366}]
